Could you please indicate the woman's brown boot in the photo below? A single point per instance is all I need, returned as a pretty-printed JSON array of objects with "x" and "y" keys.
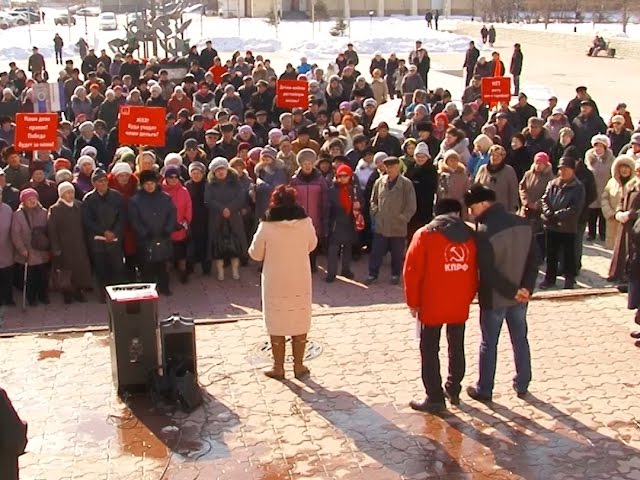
[
  {"x": 277, "y": 349},
  {"x": 298, "y": 347}
]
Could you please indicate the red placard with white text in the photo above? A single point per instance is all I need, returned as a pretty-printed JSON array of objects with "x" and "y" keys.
[
  {"x": 36, "y": 131},
  {"x": 496, "y": 89},
  {"x": 142, "y": 126},
  {"x": 292, "y": 94}
]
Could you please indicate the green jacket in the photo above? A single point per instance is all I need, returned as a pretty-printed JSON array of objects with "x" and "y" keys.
[{"x": 392, "y": 208}]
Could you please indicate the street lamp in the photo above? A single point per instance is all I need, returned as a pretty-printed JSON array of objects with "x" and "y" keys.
[{"x": 371, "y": 14}]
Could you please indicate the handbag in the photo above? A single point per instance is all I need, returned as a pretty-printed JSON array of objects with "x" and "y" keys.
[
  {"x": 225, "y": 245},
  {"x": 159, "y": 250},
  {"x": 357, "y": 215},
  {"x": 60, "y": 279},
  {"x": 39, "y": 236}
]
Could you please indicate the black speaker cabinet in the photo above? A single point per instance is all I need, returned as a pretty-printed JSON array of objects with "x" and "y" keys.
[
  {"x": 178, "y": 346},
  {"x": 133, "y": 335}
]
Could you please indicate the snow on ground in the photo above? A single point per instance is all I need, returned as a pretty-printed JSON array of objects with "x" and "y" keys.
[
  {"x": 607, "y": 30},
  {"x": 297, "y": 38}
]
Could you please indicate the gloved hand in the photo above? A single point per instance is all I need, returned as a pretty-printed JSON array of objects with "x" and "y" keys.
[{"x": 622, "y": 217}]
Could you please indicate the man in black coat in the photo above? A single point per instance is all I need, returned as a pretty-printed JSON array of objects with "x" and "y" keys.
[
  {"x": 207, "y": 56},
  {"x": 90, "y": 63},
  {"x": 470, "y": 60},
  {"x": 262, "y": 99},
  {"x": 104, "y": 218},
  {"x": 516, "y": 67},
  {"x": 13, "y": 438},
  {"x": 586, "y": 125},
  {"x": 573, "y": 107},
  {"x": 523, "y": 111},
  {"x": 129, "y": 67}
]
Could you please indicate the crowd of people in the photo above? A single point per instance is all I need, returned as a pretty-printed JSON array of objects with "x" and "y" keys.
[{"x": 95, "y": 209}]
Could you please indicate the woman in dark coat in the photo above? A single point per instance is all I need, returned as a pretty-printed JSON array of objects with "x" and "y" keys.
[
  {"x": 47, "y": 192},
  {"x": 628, "y": 210},
  {"x": 153, "y": 218},
  {"x": 197, "y": 249},
  {"x": 225, "y": 197},
  {"x": 633, "y": 270},
  {"x": 424, "y": 176},
  {"x": 68, "y": 246},
  {"x": 344, "y": 200}
]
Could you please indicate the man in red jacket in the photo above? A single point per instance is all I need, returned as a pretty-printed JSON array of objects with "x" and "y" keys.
[{"x": 440, "y": 282}]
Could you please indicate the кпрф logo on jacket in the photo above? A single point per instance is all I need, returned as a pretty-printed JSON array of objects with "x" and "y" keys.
[{"x": 456, "y": 257}]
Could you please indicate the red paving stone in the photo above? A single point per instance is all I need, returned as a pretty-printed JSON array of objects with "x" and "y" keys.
[{"x": 351, "y": 419}]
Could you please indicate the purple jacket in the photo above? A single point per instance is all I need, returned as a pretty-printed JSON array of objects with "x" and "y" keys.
[{"x": 313, "y": 196}]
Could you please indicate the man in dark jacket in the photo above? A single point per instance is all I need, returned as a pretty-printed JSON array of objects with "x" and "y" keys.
[
  {"x": 8, "y": 194},
  {"x": 383, "y": 141},
  {"x": 129, "y": 67},
  {"x": 586, "y": 125},
  {"x": 262, "y": 99},
  {"x": 562, "y": 204},
  {"x": 508, "y": 265},
  {"x": 13, "y": 438},
  {"x": 537, "y": 138},
  {"x": 104, "y": 218},
  {"x": 470, "y": 60},
  {"x": 36, "y": 62},
  {"x": 573, "y": 107},
  {"x": 523, "y": 111},
  {"x": 516, "y": 67},
  {"x": 90, "y": 64},
  {"x": 207, "y": 56},
  {"x": 350, "y": 55}
]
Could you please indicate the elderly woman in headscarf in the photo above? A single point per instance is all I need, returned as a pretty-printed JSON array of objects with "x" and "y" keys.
[
  {"x": 64, "y": 175},
  {"x": 134, "y": 98},
  {"x": 86, "y": 165},
  {"x": 146, "y": 161},
  {"x": 68, "y": 246},
  {"x": 31, "y": 245},
  {"x": 80, "y": 104},
  {"x": 108, "y": 110},
  {"x": 88, "y": 137}
]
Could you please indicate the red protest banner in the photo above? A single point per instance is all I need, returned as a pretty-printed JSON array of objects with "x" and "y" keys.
[
  {"x": 496, "y": 89},
  {"x": 142, "y": 126},
  {"x": 36, "y": 131},
  {"x": 292, "y": 94}
]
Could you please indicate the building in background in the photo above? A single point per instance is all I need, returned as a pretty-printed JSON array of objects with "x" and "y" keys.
[{"x": 353, "y": 8}]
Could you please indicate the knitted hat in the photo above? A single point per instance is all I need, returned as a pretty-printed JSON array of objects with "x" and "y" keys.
[
  {"x": 63, "y": 175},
  {"x": 65, "y": 186},
  {"x": 197, "y": 166},
  {"x": 254, "y": 153},
  {"x": 218, "y": 162},
  {"x": 479, "y": 193},
  {"x": 242, "y": 129},
  {"x": 617, "y": 119},
  {"x": 305, "y": 155},
  {"x": 603, "y": 139},
  {"x": 243, "y": 146},
  {"x": 450, "y": 154},
  {"x": 60, "y": 164},
  {"x": 275, "y": 133},
  {"x": 147, "y": 176},
  {"x": 120, "y": 168},
  {"x": 269, "y": 152},
  {"x": 98, "y": 174},
  {"x": 369, "y": 102},
  {"x": 422, "y": 149},
  {"x": 89, "y": 151},
  {"x": 567, "y": 162},
  {"x": 172, "y": 171},
  {"x": 125, "y": 154},
  {"x": 86, "y": 159},
  {"x": 635, "y": 139},
  {"x": 379, "y": 158},
  {"x": 172, "y": 159},
  {"x": 28, "y": 193},
  {"x": 483, "y": 142},
  {"x": 86, "y": 127},
  {"x": 541, "y": 157},
  {"x": 344, "y": 169}
]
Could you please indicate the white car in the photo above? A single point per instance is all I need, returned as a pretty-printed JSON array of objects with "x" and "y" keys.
[
  {"x": 107, "y": 21},
  {"x": 18, "y": 17}
]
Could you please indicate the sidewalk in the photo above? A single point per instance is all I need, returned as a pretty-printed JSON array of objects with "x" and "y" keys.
[
  {"x": 351, "y": 420},
  {"x": 206, "y": 299}
]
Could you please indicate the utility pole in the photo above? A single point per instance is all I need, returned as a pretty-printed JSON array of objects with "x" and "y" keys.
[{"x": 313, "y": 19}]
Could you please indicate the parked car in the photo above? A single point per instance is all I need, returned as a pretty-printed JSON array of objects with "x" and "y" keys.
[
  {"x": 29, "y": 12},
  {"x": 88, "y": 12},
  {"x": 19, "y": 18},
  {"x": 107, "y": 21},
  {"x": 64, "y": 19}
]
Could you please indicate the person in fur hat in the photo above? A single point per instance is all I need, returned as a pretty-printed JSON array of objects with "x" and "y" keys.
[
  {"x": 622, "y": 171},
  {"x": 269, "y": 173},
  {"x": 599, "y": 159},
  {"x": 453, "y": 179},
  {"x": 224, "y": 197},
  {"x": 311, "y": 189}
]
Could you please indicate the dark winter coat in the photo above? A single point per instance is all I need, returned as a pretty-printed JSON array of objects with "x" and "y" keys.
[
  {"x": 541, "y": 143},
  {"x": 585, "y": 129},
  {"x": 103, "y": 213},
  {"x": 218, "y": 195},
  {"x": 199, "y": 228},
  {"x": 425, "y": 183},
  {"x": 522, "y": 115},
  {"x": 11, "y": 196},
  {"x": 562, "y": 204},
  {"x": 520, "y": 160},
  {"x": 618, "y": 140},
  {"x": 268, "y": 177},
  {"x": 101, "y": 159},
  {"x": 516, "y": 63},
  {"x": 47, "y": 192},
  {"x": 471, "y": 58},
  {"x": 341, "y": 225},
  {"x": 152, "y": 216},
  {"x": 312, "y": 196},
  {"x": 389, "y": 145},
  {"x": 13, "y": 438},
  {"x": 108, "y": 111},
  {"x": 627, "y": 240},
  {"x": 68, "y": 243}
]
